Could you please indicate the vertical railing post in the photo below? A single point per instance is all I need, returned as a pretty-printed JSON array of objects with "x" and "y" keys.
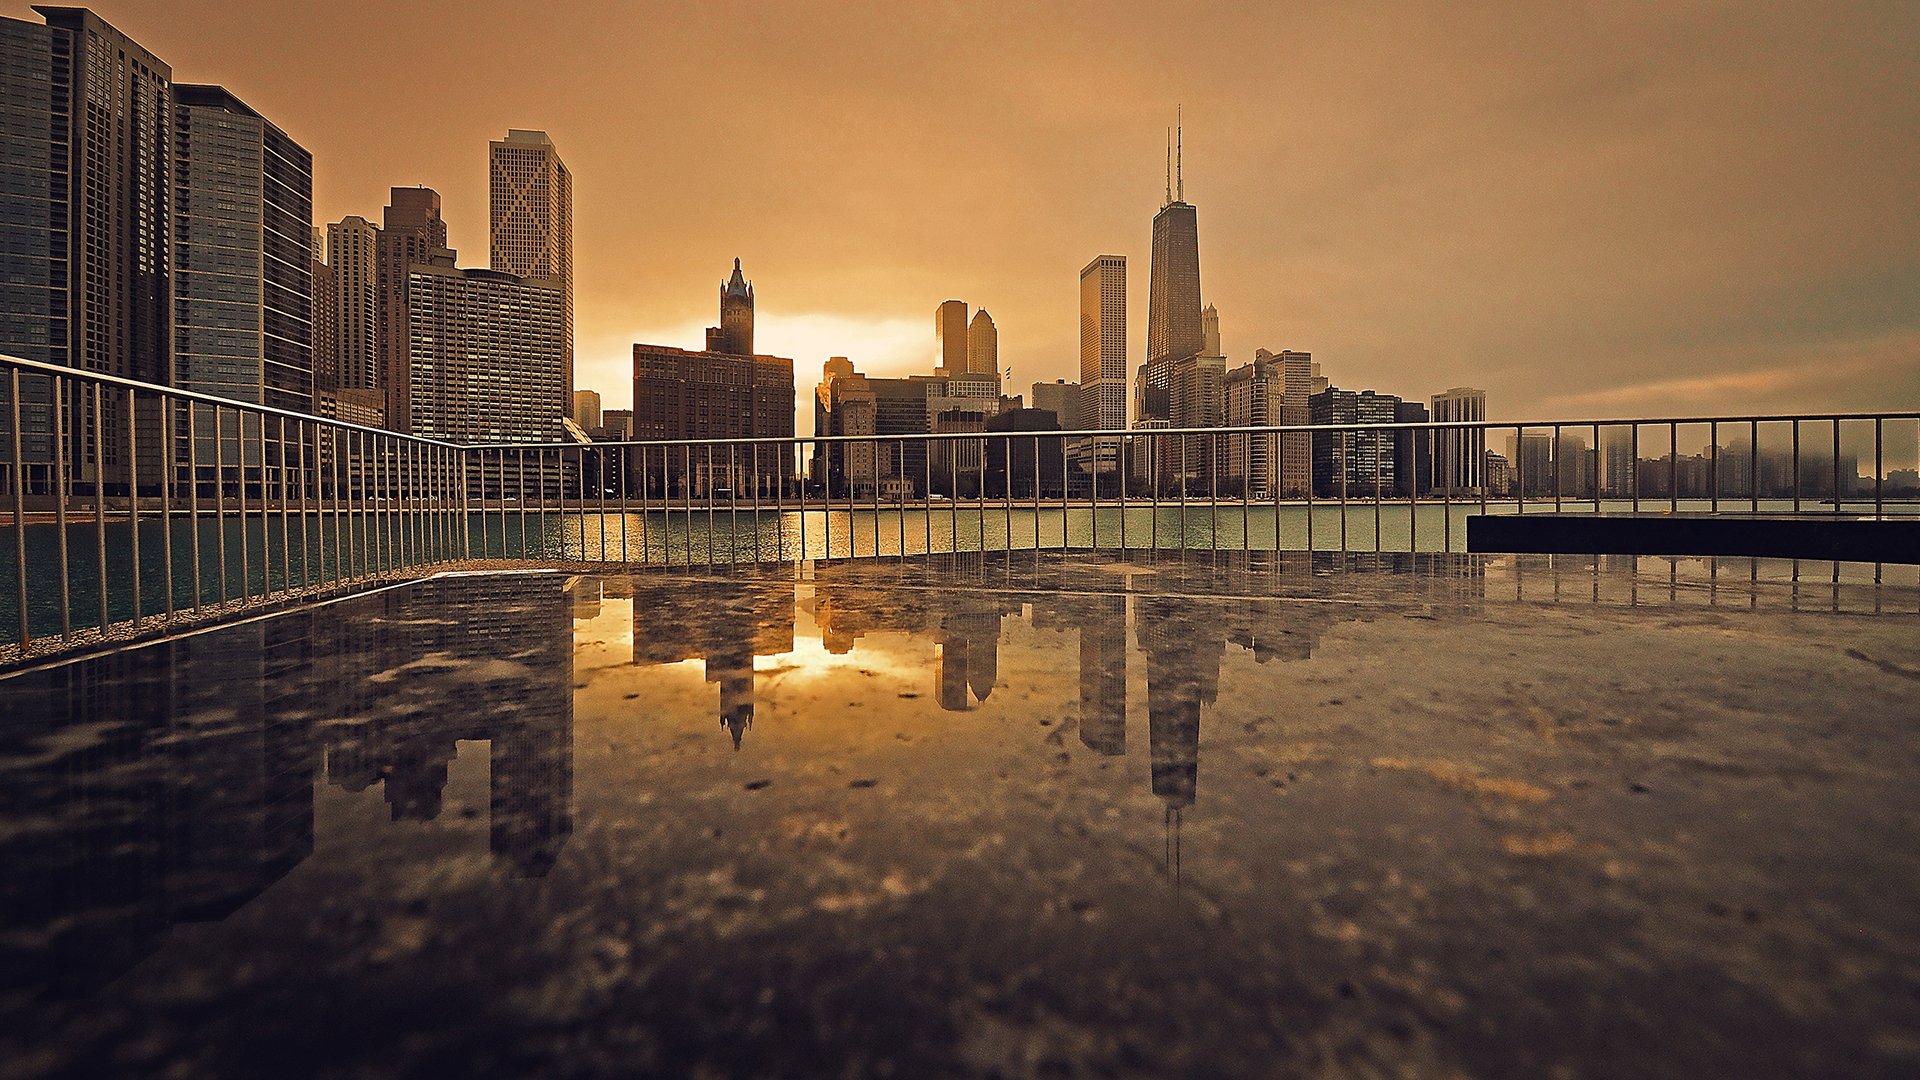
[
  {"x": 19, "y": 479},
  {"x": 62, "y": 487},
  {"x": 100, "y": 500},
  {"x": 133, "y": 501}
]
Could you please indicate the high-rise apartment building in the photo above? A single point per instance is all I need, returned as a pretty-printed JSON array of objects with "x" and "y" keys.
[
  {"x": 1353, "y": 462},
  {"x": 487, "y": 354},
  {"x": 734, "y": 335},
  {"x": 1103, "y": 343},
  {"x": 85, "y": 248},
  {"x": 324, "y": 317},
  {"x": 1459, "y": 454},
  {"x": 983, "y": 345},
  {"x": 530, "y": 226},
  {"x": 242, "y": 236},
  {"x": 1271, "y": 391},
  {"x": 950, "y": 336},
  {"x": 353, "y": 252},
  {"x": 411, "y": 230}
]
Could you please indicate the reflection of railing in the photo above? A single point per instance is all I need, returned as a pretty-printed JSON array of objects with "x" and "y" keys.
[{"x": 134, "y": 503}]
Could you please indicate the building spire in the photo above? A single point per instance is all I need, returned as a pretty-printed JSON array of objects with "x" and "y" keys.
[
  {"x": 1179, "y": 182},
  {"x": 1169, "y": 199}
]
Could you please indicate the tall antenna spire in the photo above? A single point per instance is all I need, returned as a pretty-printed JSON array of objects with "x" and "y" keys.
[
  {"x": 1169, "y": 198},
  {"x": 1179, "y": 182}
]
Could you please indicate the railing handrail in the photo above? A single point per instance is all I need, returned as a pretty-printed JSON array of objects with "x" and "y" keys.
[
  {"x": 103, "y": 378},
  {"x": 1268, "y": 429}
]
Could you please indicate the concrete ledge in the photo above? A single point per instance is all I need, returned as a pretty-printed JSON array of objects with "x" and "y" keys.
[{"x": 1797, "y": 536}]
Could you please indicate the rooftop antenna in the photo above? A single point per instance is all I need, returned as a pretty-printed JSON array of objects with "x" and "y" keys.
[
  {"x": 1169, "y": 199},
  {"x": 1179, "y": 182}
]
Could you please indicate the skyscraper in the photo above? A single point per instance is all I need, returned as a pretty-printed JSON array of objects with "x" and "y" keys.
[
  {"x": 243, "y": 240},
  {"x": 324, "y": 318},
  {"x": 486, "y": 350},
  {"x": 410, "y": 232},
  {"x": 1174, "y": 327},
  {"x": 84, "y": 253},
  {"x": 1210, "y": 332},
  {"x": 84, "y": 244},
  {"x": 950, "y": 334},
  {"x": 734, "y": 335},
  {"x": 1103, "y": 342},
  {"x": 353, "y": 253},
  {"x": 983, "y": 345},
  {"x": 530, "y": 226},
  {"x": 1459, "y": 454}
]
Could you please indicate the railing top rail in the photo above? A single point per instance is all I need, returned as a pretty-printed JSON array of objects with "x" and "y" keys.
[
  {"x": 105, "y": 379},
  {"x": 1272, "y": 429}
]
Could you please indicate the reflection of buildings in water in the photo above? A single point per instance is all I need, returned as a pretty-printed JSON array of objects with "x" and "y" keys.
[
  {"x": 964, "y": 625},
  {"x": 472, "y": 658},
  {"x": 192, "y": 790},
  {"x": 723, "y": 624},
  {"x": 1102, "y": 623}
]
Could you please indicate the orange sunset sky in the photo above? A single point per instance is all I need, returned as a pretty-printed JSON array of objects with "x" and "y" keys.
[{"x": 1587, "y": 209}]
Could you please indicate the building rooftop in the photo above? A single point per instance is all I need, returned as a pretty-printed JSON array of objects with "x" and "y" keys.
[{"x": 1093, "y": 814}]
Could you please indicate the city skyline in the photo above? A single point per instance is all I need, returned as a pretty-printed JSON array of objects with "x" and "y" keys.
[{"x": 1589, "y": 226}]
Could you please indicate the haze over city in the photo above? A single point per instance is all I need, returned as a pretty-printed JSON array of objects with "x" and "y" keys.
[{"x": 1587, "y": 212}]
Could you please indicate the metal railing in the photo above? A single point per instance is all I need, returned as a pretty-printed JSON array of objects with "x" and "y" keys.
[
  {"x": 137, "y": 506},
  {"x": 134, "y": 507},
  {"x": 1331, "y": 487}
]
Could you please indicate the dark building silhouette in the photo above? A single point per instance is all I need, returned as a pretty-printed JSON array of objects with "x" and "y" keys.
[
  {"x": 1174, "y": 323},
  {"x": 411, "y": 231},
  {"x": 734, "y": 335}
]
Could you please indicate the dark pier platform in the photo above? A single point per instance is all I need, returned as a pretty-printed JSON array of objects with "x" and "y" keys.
[{"x": 1846, "y": 537}]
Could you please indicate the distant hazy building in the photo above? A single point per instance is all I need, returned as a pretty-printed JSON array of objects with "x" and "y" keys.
[
  {"x": 530, "y": 226},
  {"x": 1210, "y": 331},
  {"x": 243, "y": 244},
  {"x": 617, "y": 424},
  {"x": 1532, "y": 457},
  {"x": 1459, "y": 455},
  {"x": 1061, "y": 398},
  {"x": 983, "y": 345},
  {"x": 487, "y": 354},
  {"x": 410, "y": 232},
  {"x": 950, "y": 336},
  {"x": 586, "y": 409},
  {"x": 844, "y": 406},
  {"x": 353, "y": 253},
  {"x": 1103, "y": 343},
  {"x": 1615, "y": 461},
  {"x": 734, "y": 335}
]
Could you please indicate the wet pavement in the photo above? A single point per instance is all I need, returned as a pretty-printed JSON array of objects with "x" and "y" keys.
[{"x": 986, "y": 815}]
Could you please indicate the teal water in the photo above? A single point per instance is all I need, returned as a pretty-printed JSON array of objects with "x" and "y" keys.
[{"x": 257, "y": 556}]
